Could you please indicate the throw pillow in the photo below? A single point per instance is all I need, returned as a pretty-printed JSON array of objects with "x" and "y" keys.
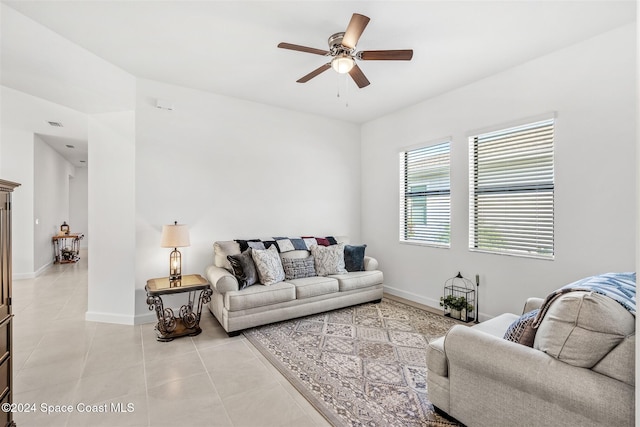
[
  {"x": 285, "y": 245},
  {"x": 298, "y": 268},
  {"x": 522, "y": 331},
  {"x": 244, "y": 268},
  {"x": 354, "y": 257},
  {"x": 328, "y": 259},
  {"x": 268, "y": 265},
  {"x": 322, "y": 241}
]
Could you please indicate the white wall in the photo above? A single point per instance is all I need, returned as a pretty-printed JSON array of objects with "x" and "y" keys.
[
  {"x": 637, "y": 198},
  {"x": 589, "y": 86},
  {"x": 79, "y": 203},
  {"x": 16, "y": 164},
  {"x": 111, "y": 212},
  {"x": 51, "y": 199},
  {"x": 22, "y": 117},
  {"x": 234, "y": 169}
]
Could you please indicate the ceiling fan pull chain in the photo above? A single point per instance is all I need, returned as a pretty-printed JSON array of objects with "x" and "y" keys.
[{"x": 346, "y": 91}]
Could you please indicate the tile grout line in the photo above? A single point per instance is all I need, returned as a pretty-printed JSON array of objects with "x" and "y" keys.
[
  {"x": 146, "y": 383},
  {"x": 224, "y": 406},
  {"x": 84, "y": 366}
]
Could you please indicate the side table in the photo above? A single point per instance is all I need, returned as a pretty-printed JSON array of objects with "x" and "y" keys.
[{"x": 188, "y": 323}]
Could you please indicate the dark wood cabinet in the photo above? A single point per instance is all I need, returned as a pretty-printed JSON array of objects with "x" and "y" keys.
[{"x": 6, "y": 326}]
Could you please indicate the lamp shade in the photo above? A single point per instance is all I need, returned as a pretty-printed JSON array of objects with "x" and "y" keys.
[{"x": 175, "y": 236}]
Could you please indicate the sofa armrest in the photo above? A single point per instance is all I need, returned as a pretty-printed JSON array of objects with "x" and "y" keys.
[
  {"x": 522, "y": 370},
  {"x": 532, "y": 304},
  {"x": 370, "y": 263},
  {"x": 221, "y": 280}
]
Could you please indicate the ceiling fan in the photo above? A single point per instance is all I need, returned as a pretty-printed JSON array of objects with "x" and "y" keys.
[{"x": 342, "y": 50}]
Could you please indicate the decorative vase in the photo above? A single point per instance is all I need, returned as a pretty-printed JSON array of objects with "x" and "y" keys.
[{"x": 455, "y": 314}]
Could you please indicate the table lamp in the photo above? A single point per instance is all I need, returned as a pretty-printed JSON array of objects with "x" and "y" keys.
[{"x": 175, "y": 236}]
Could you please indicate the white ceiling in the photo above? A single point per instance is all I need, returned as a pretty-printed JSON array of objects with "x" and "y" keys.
[{"x": 229, "y": 47}]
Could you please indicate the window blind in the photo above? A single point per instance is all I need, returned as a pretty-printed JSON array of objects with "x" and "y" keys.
[
  {"x": 512, "y": 190},
  {"x": 425, "y": 195}
]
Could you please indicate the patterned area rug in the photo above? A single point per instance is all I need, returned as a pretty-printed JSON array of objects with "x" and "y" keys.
[{"x": 359, "y": 366}]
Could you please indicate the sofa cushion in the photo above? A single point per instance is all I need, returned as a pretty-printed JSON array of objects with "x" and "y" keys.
[
  {"x": 522, "y": 331},
  {"x": 496, "y": 326},
  {"x": 259, "y": 296},
  {"x": 313, "y": 286},
  {"x": 354, "y": 257},
  {"x": 581, "y": 327},
  {"x": 358, "y": 279},
  {"x": 244, "y": 269},
  {"x": 297, "y": 268},
  {"x": 269, "y": 265},
  {"x": 329, "y": 259}
]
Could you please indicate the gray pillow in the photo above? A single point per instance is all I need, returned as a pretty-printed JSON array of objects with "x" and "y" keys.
[
  {"x": 329, "y": 259},
  {"x": 244, "y": 269},
  {"x": 354, "y": 257}
]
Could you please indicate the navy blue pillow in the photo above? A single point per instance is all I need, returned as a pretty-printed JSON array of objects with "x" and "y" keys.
[{"x": 354, "y": 257}]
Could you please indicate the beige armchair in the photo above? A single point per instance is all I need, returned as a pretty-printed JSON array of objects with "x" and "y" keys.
[{"x": 481, "y": 379}]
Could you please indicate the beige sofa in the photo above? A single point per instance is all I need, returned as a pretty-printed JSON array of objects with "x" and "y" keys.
[
  {"x": 237, "y": 309},
  {"x": 579, "y": 372}
]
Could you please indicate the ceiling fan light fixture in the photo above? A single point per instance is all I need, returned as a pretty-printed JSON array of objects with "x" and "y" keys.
[{"x": 343, "y": 63}]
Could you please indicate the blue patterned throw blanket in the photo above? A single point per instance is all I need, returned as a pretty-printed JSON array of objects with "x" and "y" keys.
[{"x": 620, "y": 287}]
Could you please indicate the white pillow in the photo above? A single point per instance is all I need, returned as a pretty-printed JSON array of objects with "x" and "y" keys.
[
  {"x": 268, "y": 264},
  {"x": 329, "y": 259}
]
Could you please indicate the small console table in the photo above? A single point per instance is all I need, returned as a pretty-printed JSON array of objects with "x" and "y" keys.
[
  {"x": 188, "y": 323},
  {"x": 66, "y": 248}
]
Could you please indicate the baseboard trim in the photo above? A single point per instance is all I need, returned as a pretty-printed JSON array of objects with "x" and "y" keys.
[
  {"x": 33, "y": 275},
  {"x": 120, "y": 319},
  {"x": 411, "y": 296},
  {"x": 141, "y": 319},
  {"x": 432, "y": 304}
]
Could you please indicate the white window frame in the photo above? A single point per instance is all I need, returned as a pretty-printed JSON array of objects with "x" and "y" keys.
[
  {"x": 511, "y": 210},
  {"x": 437, "y": 200}
]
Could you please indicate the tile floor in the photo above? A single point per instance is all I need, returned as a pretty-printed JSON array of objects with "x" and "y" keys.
[{"x": 208, "y": 380}]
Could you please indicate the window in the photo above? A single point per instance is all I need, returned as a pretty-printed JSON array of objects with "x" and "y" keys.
[
  {"x": 425, "y": 195},
  {"x": 511, "y": 190}
]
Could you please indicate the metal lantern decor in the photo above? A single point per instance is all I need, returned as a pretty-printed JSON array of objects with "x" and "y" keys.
[
  {"x": 64, "y": 229},
  {"x": 459, "y": 299}
]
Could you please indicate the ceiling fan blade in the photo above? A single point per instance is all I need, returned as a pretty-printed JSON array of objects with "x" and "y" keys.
[
  {"x": 354, "y": 30},
  {"x": 314, "y": 73},
  {"x": 386, "y": 55},
  {"x": 358, "y": 76},
  {"x": 303, "y": 49}
]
